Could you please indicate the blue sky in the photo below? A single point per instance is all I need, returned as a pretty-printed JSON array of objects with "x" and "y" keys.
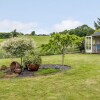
[{"x": 46, "y": 16}]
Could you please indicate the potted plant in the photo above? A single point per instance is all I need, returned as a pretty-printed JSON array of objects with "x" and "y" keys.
[
  {"x": 15, "y": 67},
  {"x": 32, "y": 60}
]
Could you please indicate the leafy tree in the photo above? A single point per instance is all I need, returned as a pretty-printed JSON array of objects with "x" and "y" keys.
[
  {"x": 80, "y": 43},
  {"x": 63, "y": 32},
  {"x": 97, "y": 24},
  {"x": 82, "y": 31},
  {"x": 59, "y": 43},
  {"x": 18, "y": 46},
  {"x": 14, "y": 33},
  {"x": 33, "y": 33},
  {"x": 5, "y": 35},
  {"x": 52, "y": 33}
]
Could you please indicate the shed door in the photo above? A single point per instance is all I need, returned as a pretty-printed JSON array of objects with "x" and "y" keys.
[{"x": 88, "y": 44}]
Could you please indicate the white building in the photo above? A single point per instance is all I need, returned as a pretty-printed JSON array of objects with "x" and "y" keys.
[{"x": 92, "y": 43}]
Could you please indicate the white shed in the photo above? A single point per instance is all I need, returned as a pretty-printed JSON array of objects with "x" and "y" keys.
[{"x": 92, "y": 43}]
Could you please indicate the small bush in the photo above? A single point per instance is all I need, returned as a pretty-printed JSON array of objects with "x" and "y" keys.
[
  {"x": 47, "y": 71},
  {"x": 3, "y": 67},
  {"x": 32, "y": 57}
]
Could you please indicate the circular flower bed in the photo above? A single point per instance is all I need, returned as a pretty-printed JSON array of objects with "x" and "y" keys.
[
  {"x": 43, "y": 70},
  {"x": 26, "y": 73}
]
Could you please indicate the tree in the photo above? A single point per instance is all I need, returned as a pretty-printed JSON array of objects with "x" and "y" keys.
[
  {"x": 59, "y": 43},
  {"x": 18, "y": 46},
  {"x": 82, "y": 31},
  {"x": 80, "y": 43},
  {"x": 5, "y": 35},
  {"x": 14, "y": 33},
  {"x": 97, "y": 24},
  {"x": 33, "y": 33}
]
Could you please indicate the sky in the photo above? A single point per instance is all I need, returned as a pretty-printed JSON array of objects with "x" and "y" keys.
[{"x": 47, "y": 16}]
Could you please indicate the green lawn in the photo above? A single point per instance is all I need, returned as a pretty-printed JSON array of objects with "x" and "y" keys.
[{"x": 82, "y": 82}]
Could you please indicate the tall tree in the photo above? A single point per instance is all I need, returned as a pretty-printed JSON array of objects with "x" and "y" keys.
[
  {"x": 33, "y": 33},
  {"x": 97, "y": 24},
  {"x": 59, "y": 43},
  {"x": 14, "y": 33}
]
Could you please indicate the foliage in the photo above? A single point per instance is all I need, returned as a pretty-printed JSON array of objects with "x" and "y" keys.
[
  {"x": 5, "y": 35},
  {"x": 32, "y": 57},
  {"x": 33, "y": 33},
  {"x": 82, "y": 31},
  {"x": 18, "y": 46},
  {"x": 80, "y": 43},
  {"x": 15, "y": 33},
  {"x": 3, "y": 67},
  {"x": 59, "y": 43},
  {"x": 97, "y": 24}
]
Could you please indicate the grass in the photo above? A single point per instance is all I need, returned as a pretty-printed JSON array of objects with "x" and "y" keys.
[
  {"x": 81, "y": 82},
  {"x": 8, "y": 61},
  {"x": 47, "y": 71},
  {"x": 41, "y": 40},
  {"x": 1, "y": 40},
  {"x": 38, "y": 39},
  {"x": 2, "y": 74}
]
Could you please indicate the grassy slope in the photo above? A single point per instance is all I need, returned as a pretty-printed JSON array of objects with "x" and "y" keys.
[
  {"x": 82, "y": 82},
  {"x": 38, "y": 39}
]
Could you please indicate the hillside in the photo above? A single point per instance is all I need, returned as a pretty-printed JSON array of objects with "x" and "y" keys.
[
  {"x": 38, "y": 39},
  {"x": 41, "y": 40}
]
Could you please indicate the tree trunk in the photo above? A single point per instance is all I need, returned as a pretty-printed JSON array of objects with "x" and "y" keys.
[{"x": 63, "y": 56}]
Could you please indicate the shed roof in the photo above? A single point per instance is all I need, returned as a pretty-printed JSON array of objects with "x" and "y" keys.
[{"x": 96, "y": 34}]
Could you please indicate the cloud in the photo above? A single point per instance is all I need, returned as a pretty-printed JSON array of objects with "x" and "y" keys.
[
  {"x": 28, "y": 27},
  {"x": 66, "y": 24},
  {"x": 8, "y": 25}
]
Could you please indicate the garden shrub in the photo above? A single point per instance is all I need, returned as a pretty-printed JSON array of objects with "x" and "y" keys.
[
  {"x": 3, "y": 67},
  {"x": 18, "y": 46},
  {"x": 32, "y": 57}
]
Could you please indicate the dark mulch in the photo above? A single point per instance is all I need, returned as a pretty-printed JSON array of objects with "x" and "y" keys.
[
  {"x": 61, "y": 67},
  {"x": 26, "y": 73}
]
